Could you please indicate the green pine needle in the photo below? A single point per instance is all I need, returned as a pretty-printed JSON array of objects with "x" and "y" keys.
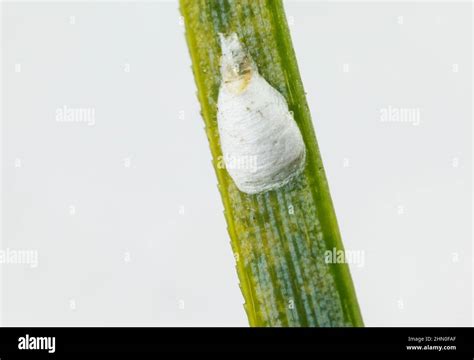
[{"x": 280, "y": 237}]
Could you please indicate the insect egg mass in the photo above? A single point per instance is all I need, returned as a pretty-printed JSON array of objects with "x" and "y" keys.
[{"x": 261, "y": 144}]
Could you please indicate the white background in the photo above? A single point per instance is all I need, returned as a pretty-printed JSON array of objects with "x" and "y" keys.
[{"x": 125, "y": 215}]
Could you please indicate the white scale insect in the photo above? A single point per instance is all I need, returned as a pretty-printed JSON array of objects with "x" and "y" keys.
[{"x": 254, "y": 123}]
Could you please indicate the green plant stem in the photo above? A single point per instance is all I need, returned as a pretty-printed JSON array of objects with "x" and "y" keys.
[{"x": 280, "y": 238}]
